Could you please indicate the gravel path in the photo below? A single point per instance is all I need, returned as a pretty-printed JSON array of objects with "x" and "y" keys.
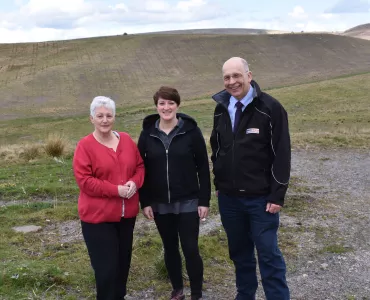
[
  {"x": 338, "y": 181},
  {"x": 342, "y": 181}
]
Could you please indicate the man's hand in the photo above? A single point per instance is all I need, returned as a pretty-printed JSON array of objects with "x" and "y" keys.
[
  {"x": 131, "y": 188},
  {"x": 148, "y": 212},
  {"x": 273, "y": 208},
  {"x": 203, "y": 212}
]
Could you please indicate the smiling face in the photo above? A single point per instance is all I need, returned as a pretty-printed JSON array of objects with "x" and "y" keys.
[
  {"x": 167, "y": 109},
  {"x": 236, "y": 78},
  {"x": 103, "y": 120}
]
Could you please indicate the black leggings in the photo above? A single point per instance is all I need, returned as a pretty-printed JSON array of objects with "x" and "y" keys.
[
  {"x": 185, "y": 226},
  {"x": 110, "y": 248}
]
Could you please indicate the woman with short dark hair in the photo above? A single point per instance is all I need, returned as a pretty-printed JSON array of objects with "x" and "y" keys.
[{"x": 177, "y": 189}]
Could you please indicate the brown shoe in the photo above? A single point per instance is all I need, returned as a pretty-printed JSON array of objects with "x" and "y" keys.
[{"x": 177, "y": 295}]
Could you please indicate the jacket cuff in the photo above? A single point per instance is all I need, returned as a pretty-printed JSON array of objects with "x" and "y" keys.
[
  {"x": 203, "y": 202},
  {"x": 113, "y": 191},
  {"x": 275, "y": 200}
]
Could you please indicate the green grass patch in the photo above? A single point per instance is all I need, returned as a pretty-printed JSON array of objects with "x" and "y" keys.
[
  {"x": 44, "y": 178},
  {"x": 34, "y": 266},
  {"x": 331, "y": 113},
  {"x": 337, "y": 249}
]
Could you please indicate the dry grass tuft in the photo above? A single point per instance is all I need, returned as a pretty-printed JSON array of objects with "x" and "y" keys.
[
  {"x": 55, "y": 145},
  {"x": 17, "y": 153},
  {"x": 31, "y": 152}
]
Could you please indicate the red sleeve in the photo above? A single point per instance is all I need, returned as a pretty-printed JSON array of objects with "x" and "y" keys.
[
  {"x": 139, "y": 174},
  {"x": 87, "y": 183}
]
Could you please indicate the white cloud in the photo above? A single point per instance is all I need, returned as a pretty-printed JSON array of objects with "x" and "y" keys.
[
  {"x": 119, "y": 6},
  {"x": 44, "y": 7},
  {"x": 187, "y": 5},
  {"x": 156, "y": 6},
  {"x": 40, "y": 20},
  {"x": 350, "y": 7},
  {"x": 327, "y": 16},
  {"x": 18, "y": 2},
  {"x": 298, "y": 13}
]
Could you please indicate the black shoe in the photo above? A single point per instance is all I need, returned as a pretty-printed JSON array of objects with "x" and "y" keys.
[{"x": 177, "y": 295}]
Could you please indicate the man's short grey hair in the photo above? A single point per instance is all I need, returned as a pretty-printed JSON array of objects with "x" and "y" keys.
[
  {"x": 245, "y": 65},
  {"x": 242, "y": 60},
  {"x": 100, "y": 101}
]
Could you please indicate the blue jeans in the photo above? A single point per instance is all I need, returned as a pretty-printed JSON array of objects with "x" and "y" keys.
[{"x": 248, "y": 225}]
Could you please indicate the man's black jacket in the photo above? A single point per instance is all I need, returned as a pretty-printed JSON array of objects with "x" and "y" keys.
[{"x": 256, "y": 159}]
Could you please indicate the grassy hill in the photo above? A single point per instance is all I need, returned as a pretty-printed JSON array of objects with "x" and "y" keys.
[
  {"x": 360, "y": 31},
  {"x": 219, "y": 31},
  {"x": 60, "y": 78}
]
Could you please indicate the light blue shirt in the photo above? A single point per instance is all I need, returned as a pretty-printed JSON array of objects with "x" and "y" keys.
[{"x": 246, "y": 100}]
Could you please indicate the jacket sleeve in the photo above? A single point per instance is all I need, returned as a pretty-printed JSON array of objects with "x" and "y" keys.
[
  {"x": 139, "y": 174},
  {"x": 202, "y": 163},
  {"x": 87, "y": 183},
  {"x": 214, "y": 141},
  {"x": 280, "y": 143},
  {"x": 144, "y": 190}
]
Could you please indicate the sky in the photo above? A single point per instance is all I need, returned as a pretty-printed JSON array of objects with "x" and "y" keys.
[{"x": 45, "y": 20}]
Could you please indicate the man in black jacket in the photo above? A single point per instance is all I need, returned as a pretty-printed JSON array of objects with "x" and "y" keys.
[{"x": 251, "y": 164}]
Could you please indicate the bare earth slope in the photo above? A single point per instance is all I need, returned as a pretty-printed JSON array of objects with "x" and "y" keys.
[
  {"x": 60, "y": 78},
  {"x": 361, "y": 31}
]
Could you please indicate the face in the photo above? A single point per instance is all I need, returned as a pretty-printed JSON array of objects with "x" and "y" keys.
[
  {"x": 167, "y": 109},
  {"x": 103, "y": 120},
  {"x": 236, "y": 79}
]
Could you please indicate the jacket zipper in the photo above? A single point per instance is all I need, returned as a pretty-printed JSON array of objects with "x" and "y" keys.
[
  {"x": 168, "y": 178},
  {"x": 218, "y": 143}
]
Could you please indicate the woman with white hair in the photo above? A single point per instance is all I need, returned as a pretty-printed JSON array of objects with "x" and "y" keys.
[{"x": 109, "y": 170}]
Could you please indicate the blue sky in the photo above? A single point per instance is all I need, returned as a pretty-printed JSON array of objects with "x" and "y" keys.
[{"x": 41, "y": 20}]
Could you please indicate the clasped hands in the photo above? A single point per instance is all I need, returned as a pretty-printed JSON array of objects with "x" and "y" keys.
[{"x": 127, "y": 190}]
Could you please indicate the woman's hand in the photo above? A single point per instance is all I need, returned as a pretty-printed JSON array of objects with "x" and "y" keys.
[
  {"x": 148, "y": 212},
  {"x": 131, "y": 188},
  {"x": 203, "y": 212},
  {"x": 123, "y": 190}
]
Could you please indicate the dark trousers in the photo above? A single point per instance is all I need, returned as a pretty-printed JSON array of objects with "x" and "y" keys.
[
  {"x": 185, "y": 226},
  {"x": 110, "y": 248},
  {"x": 248, "y": 225}
]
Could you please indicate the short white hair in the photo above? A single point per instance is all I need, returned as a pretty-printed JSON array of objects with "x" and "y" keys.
[
  {"x": 245, "y": 65},
  {"x": 237, "y": 59},
  {"x": 100, "y": 101}
]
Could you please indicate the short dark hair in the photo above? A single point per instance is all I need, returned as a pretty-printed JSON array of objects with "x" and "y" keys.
[{"x": 167, "y": 93}]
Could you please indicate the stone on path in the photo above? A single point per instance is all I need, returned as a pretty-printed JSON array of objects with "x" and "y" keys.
[{"x": 27, "y": 228}]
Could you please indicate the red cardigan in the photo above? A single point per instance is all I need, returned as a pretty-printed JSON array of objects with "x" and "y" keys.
[{"x": 98, "y": 171}]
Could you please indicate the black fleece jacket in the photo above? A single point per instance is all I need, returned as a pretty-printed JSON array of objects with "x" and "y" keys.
[
  {"x": 256, "y": 159},
  {"x": 179, "y": 173}
]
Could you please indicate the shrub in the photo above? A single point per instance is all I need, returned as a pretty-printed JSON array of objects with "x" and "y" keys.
[
  {"x": 31, "y": 152},
  {"x": 55, "y": 145}
]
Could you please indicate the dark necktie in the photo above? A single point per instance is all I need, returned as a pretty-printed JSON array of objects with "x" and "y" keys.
[{"x": 238, "y": 115}]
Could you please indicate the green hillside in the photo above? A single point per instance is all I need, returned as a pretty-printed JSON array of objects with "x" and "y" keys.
[{"x": 60, "y": 78}]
